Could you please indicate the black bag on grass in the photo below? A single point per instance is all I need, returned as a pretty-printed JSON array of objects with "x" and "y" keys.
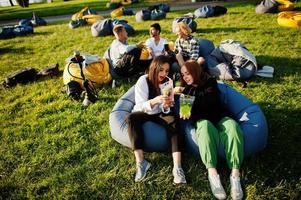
[
  {"x": 22, "y": 76},
  {"x": 51, "y": 71}
]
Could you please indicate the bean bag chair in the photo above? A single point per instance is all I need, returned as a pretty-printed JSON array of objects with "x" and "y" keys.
[
  {"x": 91, "y": 19},
  {"x": 83, "y": 12},
  {"x": 6, "y": 33},
  {"x": 117, "y": 12},
  {"x": 164, "y": 7},
  {"x": 77, "y": 23},
  {"x": 127, "y": 11},
  {"x": 171, "y": 45},
  {"x": 37, "y": 21},
  {"x": 205, "y": 49},
  {"x": 188, "y": 20},
  {"x": 247, "y": 114},
  {"x": 289, "y": 19},
  {"x": 126, "y": 2},
  {"x": 143, "y": 15},
  {"x": 96, "y": 72},
  {"x": 145, "y": 54},
  {"x": 158, "y": 15},
  {"x": 112, "y": 5},
  {"x": 285, "y": 5},
  {"x": 25, "y": 22},
  {"x": 267, "y": 6},
  {"x": 102, "y": 28},
  {"x": 14, "y": 31},
  {"x": 22, "y": 30},
  {"x": 204, "y": 11}
]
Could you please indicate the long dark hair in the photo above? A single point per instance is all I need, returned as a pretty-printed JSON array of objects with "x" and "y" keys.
[
  {"x": 153, "y": 72},
  {"x": 199, "y": 75}
]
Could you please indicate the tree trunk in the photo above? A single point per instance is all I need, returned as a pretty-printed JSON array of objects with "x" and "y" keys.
[
  {"x": 11, "y": 2},
  {"x": 23, "y": 3}
]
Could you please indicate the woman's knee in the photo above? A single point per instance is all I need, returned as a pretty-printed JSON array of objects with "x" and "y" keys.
[
  {"x": 231, "y": 127},
  {"x": 135, "y": 118},
  {"x": 204, "y": 127}
]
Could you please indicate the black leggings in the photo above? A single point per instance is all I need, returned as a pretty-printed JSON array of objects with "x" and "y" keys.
[{"x": 135, "y": 123}]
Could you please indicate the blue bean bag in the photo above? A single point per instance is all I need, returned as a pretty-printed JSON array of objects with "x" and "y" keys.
[{"x": 247, "y": 114}]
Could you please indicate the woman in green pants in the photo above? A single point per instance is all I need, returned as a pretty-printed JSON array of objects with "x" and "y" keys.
[{"x": 213, "y": 127}]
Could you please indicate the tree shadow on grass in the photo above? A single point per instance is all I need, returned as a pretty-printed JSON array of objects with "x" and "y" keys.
[
  {"x": 282, "y": 67},
  {"x": 42, "y": 33},
  {"x": 222, "y": 29},
  {"x": 281, "y": 159},
  {"x": 15, "y": 50}
]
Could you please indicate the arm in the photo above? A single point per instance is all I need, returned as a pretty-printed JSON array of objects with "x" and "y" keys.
[
  {"x": 149, "y": 47},
  {"x": 143, "y": 104},
  {"x": 194, "y": 53}
]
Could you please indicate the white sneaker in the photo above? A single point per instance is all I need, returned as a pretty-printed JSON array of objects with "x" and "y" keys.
[
  {"x": 142, "y": 168},
  {"x": 236, "y": 191},
  {"x": 179, "y": 176},
  {"x": 216, "y": 187}
]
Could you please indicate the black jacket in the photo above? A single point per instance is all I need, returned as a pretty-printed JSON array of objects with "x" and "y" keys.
[{"x": 207, "y": 104}]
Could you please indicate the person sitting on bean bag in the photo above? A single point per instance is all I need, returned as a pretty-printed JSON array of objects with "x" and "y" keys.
[
  {"x": 125, "y": 59},
  {"x": 154, "y": 99},
  {"x": 213, "y": 126}
]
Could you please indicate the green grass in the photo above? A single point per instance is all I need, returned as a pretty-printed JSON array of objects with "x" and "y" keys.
[{"x": 52, "y": 148}]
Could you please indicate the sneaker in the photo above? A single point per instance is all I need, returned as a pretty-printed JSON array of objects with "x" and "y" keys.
[
  {"x": 178, "y": 175},
  {"x": 86, "y": 101},
  {"x": 236, "y": 191},
  {"x": 216, "y": 187},
  {"x": 142, "y": 168}
]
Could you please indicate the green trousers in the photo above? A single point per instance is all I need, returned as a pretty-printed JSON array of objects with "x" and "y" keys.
[{"x": 228, "y": 134}]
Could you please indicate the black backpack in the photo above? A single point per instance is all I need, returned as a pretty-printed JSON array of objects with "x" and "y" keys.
[{"x": 22, "y": 76}]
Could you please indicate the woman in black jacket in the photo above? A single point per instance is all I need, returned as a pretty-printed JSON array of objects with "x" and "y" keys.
[{"x": 213, "y": 127}]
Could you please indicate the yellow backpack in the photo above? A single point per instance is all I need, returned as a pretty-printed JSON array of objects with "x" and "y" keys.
[{"x": 97, "y": 73}]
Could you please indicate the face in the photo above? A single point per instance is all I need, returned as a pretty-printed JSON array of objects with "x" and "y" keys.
[
  {"x": 153, "y": 32},
  {"x": 123, "y": 35},
  {"x": 187, "y": 77},
  {"x": 163, "y": 72},
  {"x": 179, "y": 33}
]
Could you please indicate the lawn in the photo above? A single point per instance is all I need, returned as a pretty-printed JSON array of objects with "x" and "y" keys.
[{"x": 52, "y": 148}]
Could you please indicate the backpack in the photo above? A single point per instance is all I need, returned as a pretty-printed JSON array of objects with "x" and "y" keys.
[
  {"x": 51, "y": 71},
  {"x": 231, "y": 60},
  {"x": 186, "y": 19},
  {"x": 21, "y": 76}
]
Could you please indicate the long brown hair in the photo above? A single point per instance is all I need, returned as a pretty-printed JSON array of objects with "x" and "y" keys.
[
  {"x": 153, "y": 72},
  {"x": 199, "y": 75}
]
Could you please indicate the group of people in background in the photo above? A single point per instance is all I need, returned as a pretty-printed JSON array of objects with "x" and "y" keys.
[{"x": 212, "y": 122}]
